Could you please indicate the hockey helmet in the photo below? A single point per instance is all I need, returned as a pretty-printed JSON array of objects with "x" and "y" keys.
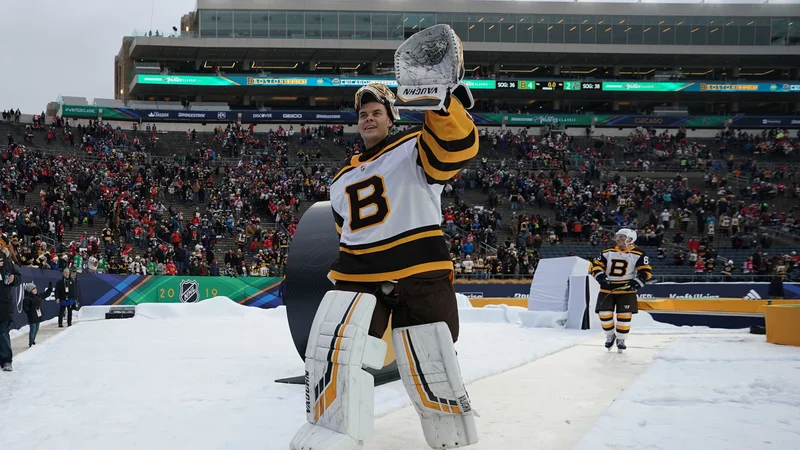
[
  {"x": 630, "y": 235},
  {"x": 380, "y": 93}
]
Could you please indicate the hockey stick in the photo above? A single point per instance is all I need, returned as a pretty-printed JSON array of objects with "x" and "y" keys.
[{"x": 623, "y": 287}]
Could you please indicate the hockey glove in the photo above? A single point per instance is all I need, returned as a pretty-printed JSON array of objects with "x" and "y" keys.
[
  {"x": 602, "y": 278},
  {"x": 429, "y": 67},
  {"x": 636, "y": 284}
]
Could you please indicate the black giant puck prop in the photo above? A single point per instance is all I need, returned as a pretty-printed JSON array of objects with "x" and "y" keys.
[{"x": 315, "y": 246}]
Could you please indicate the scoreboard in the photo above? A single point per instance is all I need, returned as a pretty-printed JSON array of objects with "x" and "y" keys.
[{"x": 533, "y": 85}]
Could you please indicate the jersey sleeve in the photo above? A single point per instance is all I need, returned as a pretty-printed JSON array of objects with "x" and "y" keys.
[
  {"x": 448, "y": 141},
  {"x": 643, "y": 270},
  {"x": 598, "y": 265},
  {"x": 338, "y": 221}
]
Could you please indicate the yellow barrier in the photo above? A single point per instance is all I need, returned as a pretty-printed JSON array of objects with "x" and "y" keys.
[{"x": 783, "y": 324}]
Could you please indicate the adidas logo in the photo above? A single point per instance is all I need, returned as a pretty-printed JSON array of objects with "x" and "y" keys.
[{"x": 752, "y": 295}]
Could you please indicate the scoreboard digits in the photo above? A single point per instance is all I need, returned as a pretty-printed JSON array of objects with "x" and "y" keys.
[
  {"x": 549, "y": 85},
  {"x": 531, "y": 85},
  {"x": 508, "y": 84},
  {"x": 527, "y": 85}
]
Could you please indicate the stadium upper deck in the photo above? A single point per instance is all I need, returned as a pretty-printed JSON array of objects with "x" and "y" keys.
[{"x": 503, "y": 40}]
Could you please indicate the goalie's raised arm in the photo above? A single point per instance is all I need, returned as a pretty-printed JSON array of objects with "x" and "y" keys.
[
  {"x": 449, "y": 140},
  {"x": 429, "y": 67}
]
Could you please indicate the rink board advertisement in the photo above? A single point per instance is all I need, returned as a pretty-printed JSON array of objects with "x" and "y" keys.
[
  {"x": 713, "y": 291},
  {"x": 111, "y": 290},
  {"x": 674, "y": 291},
  {"x": 41, "y": 278}
]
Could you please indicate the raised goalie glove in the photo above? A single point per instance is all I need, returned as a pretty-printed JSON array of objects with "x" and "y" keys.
[{"x": 429, "y": 67}]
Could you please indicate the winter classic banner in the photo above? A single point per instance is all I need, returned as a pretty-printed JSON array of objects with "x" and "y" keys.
[{"x": 108, "y": 289}]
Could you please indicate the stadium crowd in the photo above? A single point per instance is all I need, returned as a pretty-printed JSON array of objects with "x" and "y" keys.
[
  {"x": 142, "y": 208},
  {"x": 666, "y": 213},
  {"x": 141, "y": 200}
]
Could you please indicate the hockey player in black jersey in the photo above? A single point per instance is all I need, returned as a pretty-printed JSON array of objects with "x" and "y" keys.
[{"x": 621, "y": 271}]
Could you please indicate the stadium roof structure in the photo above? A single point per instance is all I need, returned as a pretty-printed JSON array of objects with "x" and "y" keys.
[{"x": 494, "y": 31}]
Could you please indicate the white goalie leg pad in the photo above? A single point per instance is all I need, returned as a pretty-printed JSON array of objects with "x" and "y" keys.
[
  {"x": 339, "y": 393},
  {"x": 426, "y": 359}
]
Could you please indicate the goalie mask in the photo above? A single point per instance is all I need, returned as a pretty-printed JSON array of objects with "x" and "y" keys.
[
  {"x": 380, "y": 93},
  {"x": 625, "y": 237}
]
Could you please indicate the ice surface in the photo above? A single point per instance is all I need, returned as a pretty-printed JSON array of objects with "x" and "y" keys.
[{"x": 724, "y": 392}]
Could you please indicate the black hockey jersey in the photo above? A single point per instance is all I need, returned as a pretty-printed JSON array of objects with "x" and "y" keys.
[{"x": 622, "y": 266}]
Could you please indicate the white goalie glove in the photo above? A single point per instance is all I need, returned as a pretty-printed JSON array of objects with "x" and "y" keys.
[{"x": 429, "y": 67}]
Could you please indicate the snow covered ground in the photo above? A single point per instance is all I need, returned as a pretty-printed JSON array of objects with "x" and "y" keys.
[
  {"x": 201, "y": 376},
  {"x": 197, "y": 376},
  {"x": 701, "y": 393}
]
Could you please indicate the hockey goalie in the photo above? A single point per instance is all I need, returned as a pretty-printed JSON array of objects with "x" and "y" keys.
[{"x": 393, "y": 259}]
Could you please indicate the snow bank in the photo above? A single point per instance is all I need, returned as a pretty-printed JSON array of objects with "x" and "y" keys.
[
  {"x": 23, "y": 331},
  {"x": 90, "y": 313},
  {"x": 543, "y": 319},
  {"x": 645, "y": 323},
  {"x": 213, "y": 307},
  {"x": 463, "y": 301},
  {"x": 491, "y": 314}
]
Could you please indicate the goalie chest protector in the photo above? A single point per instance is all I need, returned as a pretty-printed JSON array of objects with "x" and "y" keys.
[{"x": 388, "y": 215}]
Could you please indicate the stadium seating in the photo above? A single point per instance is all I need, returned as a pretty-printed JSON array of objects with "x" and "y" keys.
[{"x": 499, "y": 156}]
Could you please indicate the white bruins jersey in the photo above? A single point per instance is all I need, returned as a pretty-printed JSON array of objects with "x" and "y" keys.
[
  {"x": 622, "y": 266},
  {"x": 387, "y": 201}
]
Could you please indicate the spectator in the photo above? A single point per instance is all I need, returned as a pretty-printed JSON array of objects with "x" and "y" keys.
[
  {"x": 9, "y": 278},
  {"x": 66, "y": 293},
  {"x": 32, "y": 305}
]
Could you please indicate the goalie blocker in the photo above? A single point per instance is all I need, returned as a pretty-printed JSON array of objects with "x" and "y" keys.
[{"x": 340, "y": 394}]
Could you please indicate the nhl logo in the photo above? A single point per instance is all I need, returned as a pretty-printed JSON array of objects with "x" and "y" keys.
[{"x": 190, "y": 291}]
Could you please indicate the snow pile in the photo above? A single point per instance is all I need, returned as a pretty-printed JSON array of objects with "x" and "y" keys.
[
  {"x": 23, "y": 331},
  {"x": 463, "y": 301},
  {"x": 645, "y": 323},
  {"x": 731, "y": 392},
  {"x": 491, "y": 314},
  {"x": 213, "y": 307},
  {"x": 543, "y": 319}
]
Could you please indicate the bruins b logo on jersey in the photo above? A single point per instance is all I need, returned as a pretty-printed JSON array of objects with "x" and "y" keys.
[
  {"x": 368, "y": 203},
  {"x": 617, "y": 268}
]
